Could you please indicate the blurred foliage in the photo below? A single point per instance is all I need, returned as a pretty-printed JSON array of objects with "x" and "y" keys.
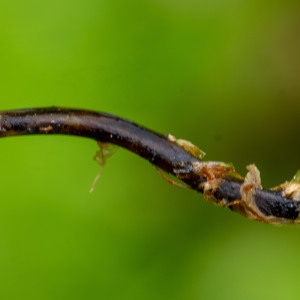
[{"x": 222, "y": 74}]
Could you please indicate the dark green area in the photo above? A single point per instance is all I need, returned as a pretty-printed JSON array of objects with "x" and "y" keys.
[{"x": 222, "y": 74}]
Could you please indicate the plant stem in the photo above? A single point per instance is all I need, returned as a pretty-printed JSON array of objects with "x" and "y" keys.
[{"x": 156, "y": 148}]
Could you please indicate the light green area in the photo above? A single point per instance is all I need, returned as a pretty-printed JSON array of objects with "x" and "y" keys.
[
  {"x": 296, "y": 178},
  {"x": 221, "y": 74}
]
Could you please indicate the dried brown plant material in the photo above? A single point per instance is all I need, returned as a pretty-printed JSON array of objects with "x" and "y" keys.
[
  {"x": 46, "y": 129},
  {"x": 187, "y": 146},
  {"x": 215, "y": 173},
  {"x": 172, "y": 182},
  {"x": 291, "y": 188},
  {"x": 251, "y": 184},
  {"x": 106, "y": 150}
]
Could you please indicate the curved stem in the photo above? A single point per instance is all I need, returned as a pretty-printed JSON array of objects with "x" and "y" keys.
[{"x": 163, "y": 152}]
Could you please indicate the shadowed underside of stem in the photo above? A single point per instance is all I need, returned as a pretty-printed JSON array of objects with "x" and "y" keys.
[{"x": 216, "y": 180}]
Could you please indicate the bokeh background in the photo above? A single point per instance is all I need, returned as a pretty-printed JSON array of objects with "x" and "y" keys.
[{"x": 222, "y": 74}]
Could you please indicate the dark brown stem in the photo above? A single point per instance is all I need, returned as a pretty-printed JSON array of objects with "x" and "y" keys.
[{"x": 156, "y": 148}]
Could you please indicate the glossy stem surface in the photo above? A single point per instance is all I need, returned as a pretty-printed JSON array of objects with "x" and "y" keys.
[{"x": 154, "y": 147}]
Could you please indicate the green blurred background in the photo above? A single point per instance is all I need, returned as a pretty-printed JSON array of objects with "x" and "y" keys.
[{"x": 222, "y": 74}]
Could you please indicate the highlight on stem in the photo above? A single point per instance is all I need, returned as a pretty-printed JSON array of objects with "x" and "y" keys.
[{"x": 218, "y": 181}]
